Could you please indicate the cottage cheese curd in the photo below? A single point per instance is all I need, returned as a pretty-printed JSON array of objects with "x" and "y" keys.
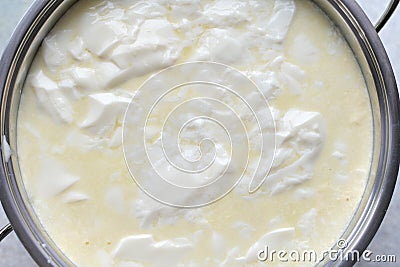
[{"x": 105, "y": 104}]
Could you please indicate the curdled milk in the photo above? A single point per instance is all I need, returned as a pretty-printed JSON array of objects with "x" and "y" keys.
[{"x": 90, "y": 67}]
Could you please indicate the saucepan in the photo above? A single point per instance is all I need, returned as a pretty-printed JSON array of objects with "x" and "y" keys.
[{"x": 358, "y": 31}]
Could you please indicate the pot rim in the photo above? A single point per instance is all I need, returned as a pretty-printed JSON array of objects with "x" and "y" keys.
[{"x": 43, "y": 252}]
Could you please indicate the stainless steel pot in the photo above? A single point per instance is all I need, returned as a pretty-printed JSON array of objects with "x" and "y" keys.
[{"x": 346, "y": 14}]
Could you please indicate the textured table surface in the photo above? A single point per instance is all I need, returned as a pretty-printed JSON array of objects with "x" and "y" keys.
[{"x": 387, "y": 239}]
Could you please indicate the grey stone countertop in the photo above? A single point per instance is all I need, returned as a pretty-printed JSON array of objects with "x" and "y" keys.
[{"x": 385, "y": 242}]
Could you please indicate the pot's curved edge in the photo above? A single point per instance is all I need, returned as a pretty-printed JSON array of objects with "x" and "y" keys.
[
  {"x": 42, "y": 254},
  {"x": 391, "y": 124}
]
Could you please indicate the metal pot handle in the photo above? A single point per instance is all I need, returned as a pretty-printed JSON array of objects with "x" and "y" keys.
[
  {"x": 5, "y": 231},
  {"x": 386, "y": 15}
]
